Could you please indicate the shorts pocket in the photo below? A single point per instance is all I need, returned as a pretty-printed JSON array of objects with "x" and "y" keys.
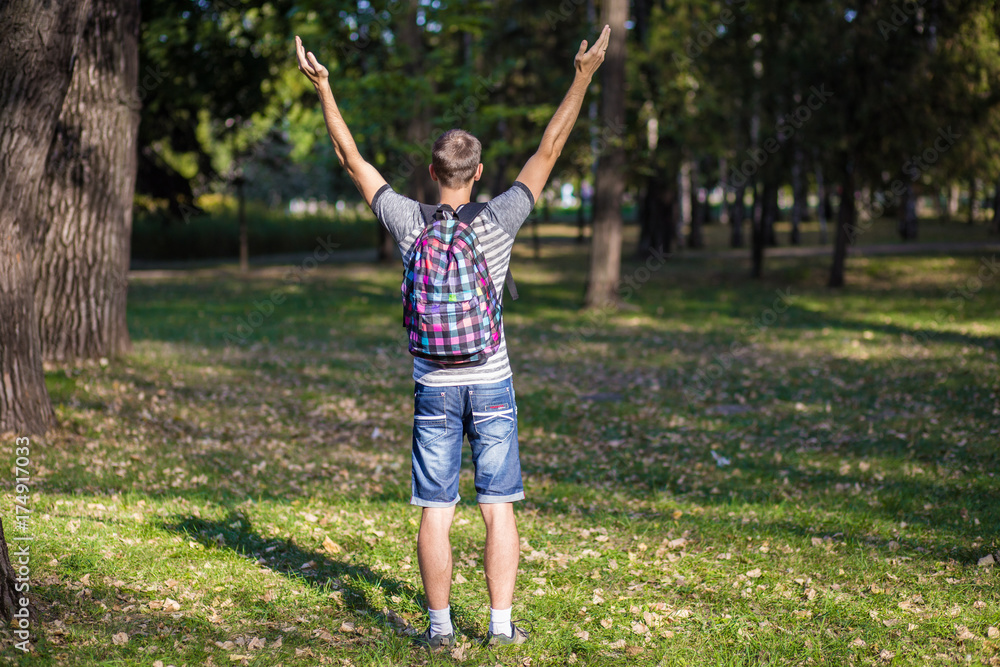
[
  {"x": 430, "y": 423},
  {"x": 494, "y": 415}
]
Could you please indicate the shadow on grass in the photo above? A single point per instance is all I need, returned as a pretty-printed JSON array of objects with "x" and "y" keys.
[{"x": 364, "y": 592}]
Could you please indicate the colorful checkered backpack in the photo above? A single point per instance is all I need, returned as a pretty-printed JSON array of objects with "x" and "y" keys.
[{"x": 451, "y": 308}]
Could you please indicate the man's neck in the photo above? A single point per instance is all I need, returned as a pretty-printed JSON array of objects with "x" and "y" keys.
[{"x": 456, "y": 198}]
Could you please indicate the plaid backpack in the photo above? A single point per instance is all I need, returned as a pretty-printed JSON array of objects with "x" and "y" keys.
[{"x": 451, "y": 308}]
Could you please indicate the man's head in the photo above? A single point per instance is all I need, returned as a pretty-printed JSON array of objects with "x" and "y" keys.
[{"x": 456, "y": 158}]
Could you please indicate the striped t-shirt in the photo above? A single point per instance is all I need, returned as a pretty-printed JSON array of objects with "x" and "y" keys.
[{"x": 504, "y": 215}]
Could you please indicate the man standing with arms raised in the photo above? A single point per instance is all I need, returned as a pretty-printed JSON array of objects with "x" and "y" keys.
[{"x": 475, "y": 401}]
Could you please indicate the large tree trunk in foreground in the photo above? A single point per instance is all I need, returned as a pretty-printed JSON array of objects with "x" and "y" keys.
[
  {"x": 606, "y": 242},
  {"x": 37, "y": 40},
  {"x": 85, "y": 207},
  {"x": 9, "y": 596},
  {"x": 845, "y": 229}
]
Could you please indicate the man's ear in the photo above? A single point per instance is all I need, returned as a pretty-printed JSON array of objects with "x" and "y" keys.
[
  {"x": 479, "y": 172},
  {"x": 430, "y": 168}
]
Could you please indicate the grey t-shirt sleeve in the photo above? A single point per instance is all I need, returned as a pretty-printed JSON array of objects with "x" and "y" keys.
[
  {"x": 512, "y": 208},
  {"x": 398, "y": 214}
]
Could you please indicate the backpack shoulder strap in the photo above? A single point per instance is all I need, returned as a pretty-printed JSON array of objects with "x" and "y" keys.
[{"x": 468, "y": 213}]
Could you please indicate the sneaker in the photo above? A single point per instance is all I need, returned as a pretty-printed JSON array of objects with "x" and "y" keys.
[
  {"x": 519, "y": 636},
  {"x": 435, "y": 642}
]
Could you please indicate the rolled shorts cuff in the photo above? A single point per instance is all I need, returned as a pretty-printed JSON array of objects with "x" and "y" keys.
[
  {"x": 420, "y": 502},
  {"x": 487, "y": 500}
]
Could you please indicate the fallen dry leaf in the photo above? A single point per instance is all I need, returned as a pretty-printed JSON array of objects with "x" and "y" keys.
[
  {"x": 583, "y": 634},
  {"x": 330, "y": 546},
  {"x": 119, "y": 639}
]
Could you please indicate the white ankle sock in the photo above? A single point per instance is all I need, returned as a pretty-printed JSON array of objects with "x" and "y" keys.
[
  {"x": 500, "y": 622},
  {"x": 440, "y": 621}
]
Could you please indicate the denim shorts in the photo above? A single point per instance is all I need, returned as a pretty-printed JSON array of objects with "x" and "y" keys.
[{"x": 442, "y": 417}]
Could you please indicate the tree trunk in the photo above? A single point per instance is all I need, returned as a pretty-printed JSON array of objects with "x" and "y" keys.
[
  {"x": 772, "y": 211},
  {"x": 798, "y": 197},
  {"x": 657, "y": 222},
  {"x": 973, "y": 200},
  {"x": 845, "y": 229},
  {"x": 9, "y": 596},
  {"x": 996, "y": 207},
  {"x": 758, "y": 226},
  {"x": 908, "y": 214},
  {"x": 698, "y": 209},
  {"x": 37, "y": 41},
  {"x": 736, "y": 218},
  {"x": 86, "y": 208},
  {"x": 606, "y": 242},
  {"x": 822, "y": 202},
  {"x": 684, "y": 201},
  {"x": 953, "y": 199},
  {"x": 724, "y": 206}
]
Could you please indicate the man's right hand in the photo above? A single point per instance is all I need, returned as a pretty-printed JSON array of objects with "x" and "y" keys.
[
  {"x": 309, "y": 66},
  {"x": 586, "y": 61}
]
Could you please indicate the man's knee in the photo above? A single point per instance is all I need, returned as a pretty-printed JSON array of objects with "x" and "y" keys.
[{"x": 497, "y": 512}]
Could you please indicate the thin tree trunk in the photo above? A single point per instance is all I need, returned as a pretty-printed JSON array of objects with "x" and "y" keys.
[
  {"x": 798, "y": 197},
  {"x": 953, "y": 200},
  {"x": 908, "y": 214},
  {"x": 845, "y": 229},
  {"x": 822, "y": 201},
  {"x": 772, "y": 211},
  {"x": 973, "y": 200},
  {"x": 996, "y": 207},
  {"x": 241, "y": 220},
  {"x": 657, "y": 222},
  {"x": 37, "y": 41},
  {"x": 88, "y": 188},
  {"x": 606, "y": 243},
  {"x": 684, "y": 190},
  {"x": 757, "y": 229},
  {"x": 736, "y": 218},
  {"x": 696, "y": 239},
  {"x": 724, "y": 207}
]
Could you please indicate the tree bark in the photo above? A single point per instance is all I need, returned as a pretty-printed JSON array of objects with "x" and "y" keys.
[
  {"x": 908, "y": 214},
  {"x": 823, "y": 199},
  {"x": 771, "y": 211},
  {"x": 996, "y": 207},
  {"x": 606, "y": 242},
  {"x": 762, "y": 216},
  {"x": 37, "y": 41},
  {"x": 798, "y": 197},
  {"x": 684, "y": 201},
  {"x": 656, "y": 232},
  {"x": 973, "y": 200},
  {"x": 698, "y": 209},
  {"x": 85, "y": 211},
  {"x": 845, "y": 229},
  {"x": 739, "y": 212},
  {"x": 953, "y": 200}
]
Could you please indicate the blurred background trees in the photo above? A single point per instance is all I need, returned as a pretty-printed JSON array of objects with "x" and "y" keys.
[{"x": 823, "y": 120}]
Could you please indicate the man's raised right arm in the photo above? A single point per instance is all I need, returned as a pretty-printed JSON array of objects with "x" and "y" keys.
[
  {"x": 539, "y": 166},
  {"x": 365, "y": 176}
]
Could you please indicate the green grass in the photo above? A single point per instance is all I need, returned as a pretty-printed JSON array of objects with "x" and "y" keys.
[{"x": 184, "y": 503}]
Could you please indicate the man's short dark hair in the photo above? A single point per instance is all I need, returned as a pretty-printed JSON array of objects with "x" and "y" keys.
[{"x": 456, "y": 156}]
